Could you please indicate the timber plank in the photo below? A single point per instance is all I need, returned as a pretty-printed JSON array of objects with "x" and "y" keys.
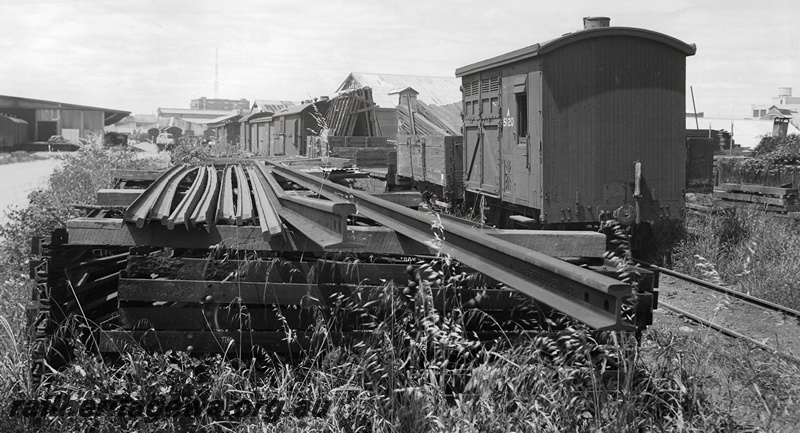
[
  {"x": 303, "y": 296},
  {"x": 214, "y": 317},
  {"x": 758, "y": 189},
  {"x": 274, "y": 270},
  {"x": 127, "y": 174},
  {"x": 112, "y": 231},
  {"x": 316, "y": 272},
  {"x": 753, "y": 198},
  {"x": 203, "y": 342},
  {"x": 410, "y": 199},
  {"x": 729, "y": 204},
  {"x": 556, "y": 243},
  {"x": 117, "y": 197}
]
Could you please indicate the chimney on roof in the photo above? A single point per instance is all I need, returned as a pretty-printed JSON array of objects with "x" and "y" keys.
[{"x": 596, "y": 22}]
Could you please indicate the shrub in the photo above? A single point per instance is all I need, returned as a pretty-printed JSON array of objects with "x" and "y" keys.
[
  {"x": 782, "y": 150},
  {"x": 76, "y": 181}
]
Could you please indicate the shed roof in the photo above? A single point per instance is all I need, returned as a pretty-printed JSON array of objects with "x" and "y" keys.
[
  {"x": 296, "y": 109},
  {"x": 433, "y": 90},
  {"x": 13, "y": 119},
  {"x": 570, "y": 38},
  {"x": 222, "y": 120},
  {"x": 197, "y": 114},
  {"x": 271, "y": 106},
  {"x": 110, "y": 116}
]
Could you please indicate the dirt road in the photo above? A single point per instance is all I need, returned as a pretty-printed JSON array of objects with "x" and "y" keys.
[{"x": 19, "y": 179}]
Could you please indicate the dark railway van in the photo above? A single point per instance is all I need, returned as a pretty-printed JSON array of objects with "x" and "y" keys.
[{"x": 570, "y": 131}]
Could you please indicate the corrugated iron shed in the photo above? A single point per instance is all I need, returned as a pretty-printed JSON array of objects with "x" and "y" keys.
[
  {"x": 432, "y": 90},
  {"x": 223, "y": 120},
  {"x": 184, "y": 113},
  {"x": 271, "y": 106},
  {"x": 296, "y": 109},
  {"x": 110, "y": 116}
]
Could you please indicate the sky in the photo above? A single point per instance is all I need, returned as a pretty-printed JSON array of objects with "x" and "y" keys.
[{"x": 142, "y": 55}]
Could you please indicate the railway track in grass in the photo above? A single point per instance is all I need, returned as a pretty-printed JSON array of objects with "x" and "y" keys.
[{"x": 763, "y": 324}]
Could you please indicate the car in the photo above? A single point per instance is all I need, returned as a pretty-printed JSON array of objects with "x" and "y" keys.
[
  {"x": 57, "y": 139},
  {"x": 165, "y": 138}
]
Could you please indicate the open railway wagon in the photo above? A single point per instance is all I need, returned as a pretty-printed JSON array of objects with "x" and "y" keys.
[
  {"x": 569, "y": 132},
  {"x": 230, "y": 256}
]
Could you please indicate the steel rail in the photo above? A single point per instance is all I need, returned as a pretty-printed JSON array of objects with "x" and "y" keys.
[
  {"x": 163, "y": 204},
  {"x": 268, "y": 217},
  {"x": 225, "y": 210},
  {"x": 206, "y": 208},
  {"x": 730, "y": 292},
  {"x": 324, "y": 222},
  {"x": 729, "y": 332},
  {"x": 183, "y": 212},
  {"x": 139, "y": 210},
  {"x": 244, "y": 201},
  {"x": 591, "y": 298}
]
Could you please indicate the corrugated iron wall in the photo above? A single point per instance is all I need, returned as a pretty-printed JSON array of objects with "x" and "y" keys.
[
  {"x": 608, "y": 102},
  {"x": 85, "y": 121}
]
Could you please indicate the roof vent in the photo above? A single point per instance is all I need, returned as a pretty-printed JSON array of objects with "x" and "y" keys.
[{"x": 596, "y": 22}]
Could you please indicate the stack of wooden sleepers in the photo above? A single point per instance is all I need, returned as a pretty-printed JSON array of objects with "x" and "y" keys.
[
  {"x": 768, "y": 198},
  {"x": 351, "y": 109}
]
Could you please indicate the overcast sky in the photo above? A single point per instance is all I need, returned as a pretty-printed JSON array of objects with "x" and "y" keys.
[{"x": 141, "y": 55}]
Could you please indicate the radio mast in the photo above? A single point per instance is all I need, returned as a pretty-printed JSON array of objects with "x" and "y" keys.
[{"x": 216, "y": 73}]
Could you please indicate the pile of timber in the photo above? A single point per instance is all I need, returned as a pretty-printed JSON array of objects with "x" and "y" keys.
[
  {"x": 770, "y": 198},
  {"x": 430, "y": 119},
  {"x": 352, "y": 112}
]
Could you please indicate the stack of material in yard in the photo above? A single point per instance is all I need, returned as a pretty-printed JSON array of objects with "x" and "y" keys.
[
  {"x": 353, "y": 113},
  {"x": 239, "y": 195},
  {"x": 204, "y": 196},
  {"x": 430, "y": 119}
]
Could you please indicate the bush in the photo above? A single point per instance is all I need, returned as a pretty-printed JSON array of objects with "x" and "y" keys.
[
  {"x": 76, "y": 181},
  {"x": 748, "y": 250},
  {"x": 784, "y": 150}
]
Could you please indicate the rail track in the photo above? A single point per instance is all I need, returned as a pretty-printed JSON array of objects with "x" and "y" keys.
[{"x": 728, "y": 329}]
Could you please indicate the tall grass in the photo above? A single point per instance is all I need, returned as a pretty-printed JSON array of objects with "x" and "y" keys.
[
  {"x": 420, "y": 369},
  {"x": 416, "y": 370},
  {"x": 747, "y": 249}
]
